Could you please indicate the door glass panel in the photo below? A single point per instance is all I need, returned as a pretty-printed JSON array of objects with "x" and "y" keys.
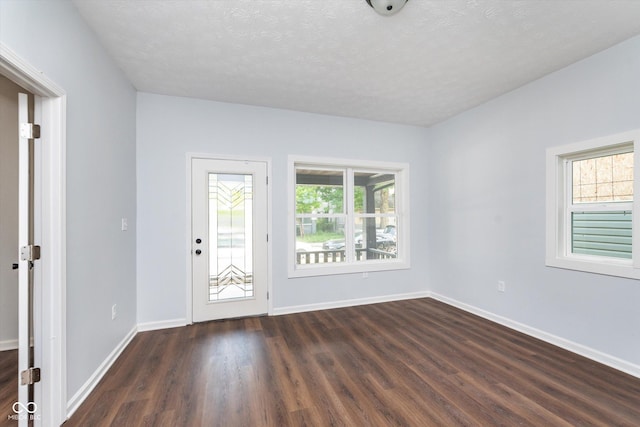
[{"x": 230, "y": 236}]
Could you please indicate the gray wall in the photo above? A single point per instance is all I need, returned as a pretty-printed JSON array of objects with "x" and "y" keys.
[
  {"x": 8, "y": 213},
  {"x": 486, "y": 218},
  {"x": 169, "y": 127},
  {"x": 101, "y": 182}
]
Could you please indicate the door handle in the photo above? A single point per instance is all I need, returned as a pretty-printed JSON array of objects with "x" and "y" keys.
[{"x": 14, "y": 266}]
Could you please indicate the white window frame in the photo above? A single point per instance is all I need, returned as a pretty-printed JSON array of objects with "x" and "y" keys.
[
  {"x": 559, "y": 206},
  {"x": 401, "y": 171}
]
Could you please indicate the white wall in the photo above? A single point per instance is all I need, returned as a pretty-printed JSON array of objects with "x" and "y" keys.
[
  {"x": 169, "y": 127},
  {"x": 101, "y": 185},
  {"x": 483, "y": 219},
  {"x": 487, "y": 203}
]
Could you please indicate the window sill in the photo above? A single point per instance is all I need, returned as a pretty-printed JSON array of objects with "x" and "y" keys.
[
  {"x": 364, "y": 267},
  {"x": 622, "y": 268}
]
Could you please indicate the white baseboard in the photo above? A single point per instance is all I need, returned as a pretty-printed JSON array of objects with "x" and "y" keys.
[
  {"x": 87, "y": 388},
  {"x": 163, "y": 324},
  {"x": 347, "y": 303},
  {"x": 582, "y": 350},
  {"x": 8, "y": 345}
]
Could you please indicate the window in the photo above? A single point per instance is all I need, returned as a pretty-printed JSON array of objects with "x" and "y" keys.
[
  {"x": 347, "y": 217},
  {"x": 591, "y": 206}
]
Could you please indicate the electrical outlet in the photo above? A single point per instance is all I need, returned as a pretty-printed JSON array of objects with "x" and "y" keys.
[
  {"x": 114, "y": 311},
  {"x": 124, "y": 224},
  {"x": 501, "y": 286}
]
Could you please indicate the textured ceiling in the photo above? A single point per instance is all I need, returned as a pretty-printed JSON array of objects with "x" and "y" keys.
[{"x": 432, "y": 60}]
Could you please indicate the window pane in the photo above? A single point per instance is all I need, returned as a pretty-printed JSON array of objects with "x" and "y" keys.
[
  {"x": 320, "y": 240},
  {"x": 375, "y": 238},
  {"x": 603, "y": 179},
  {"x": 319, "y": 191},
  {"x": 601, "y": 233},
  {"x": 375, "y": 220},
  {"x": 344, "y": 215},
  {"x": 374, "y": 192}
]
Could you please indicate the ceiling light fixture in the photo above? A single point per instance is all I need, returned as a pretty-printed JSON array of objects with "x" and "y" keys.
[{"x": 386, "y": 7}]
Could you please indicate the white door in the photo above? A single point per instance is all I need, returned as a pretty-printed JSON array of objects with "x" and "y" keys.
[
  {"x": 26, "y": 408},
  {"x": 229, "y": 238}
]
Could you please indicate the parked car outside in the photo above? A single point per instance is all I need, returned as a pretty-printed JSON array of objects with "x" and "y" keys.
[
  {"x": 339, "y": 244},
  {"x": 385, "y": 240}
]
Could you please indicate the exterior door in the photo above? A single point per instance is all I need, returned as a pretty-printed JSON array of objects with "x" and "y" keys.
[{"x": 229, "y": 246}]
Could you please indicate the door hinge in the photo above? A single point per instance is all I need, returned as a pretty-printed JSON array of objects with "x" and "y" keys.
[
  {"x": 30, "y": 376},
  {"x": 30, "y": 253},
  {"x": 267, "y": 180},
  {"x": 29, "y": 131},
  {"x": 267, "y": 237},
  {"x": 267, "y": 295}
]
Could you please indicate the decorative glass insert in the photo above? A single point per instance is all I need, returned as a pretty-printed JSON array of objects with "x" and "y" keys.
[{"x": 230, "y": 236}]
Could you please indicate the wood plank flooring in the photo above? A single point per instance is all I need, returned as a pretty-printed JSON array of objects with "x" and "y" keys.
[
  {"x": 8, "y": 385},
  {"x": 406, "y": 363}
]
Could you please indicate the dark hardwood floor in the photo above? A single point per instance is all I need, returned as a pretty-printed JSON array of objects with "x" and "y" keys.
[
  {"x": 8, "y": 386},
  {"x": 405, "y": 363}
]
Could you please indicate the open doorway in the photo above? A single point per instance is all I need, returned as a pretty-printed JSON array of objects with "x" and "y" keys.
[
  {"x": 9, "y": 241},
  {"x": 49, "y": 102}
]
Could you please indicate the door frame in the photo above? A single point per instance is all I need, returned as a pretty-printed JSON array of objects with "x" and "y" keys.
[
  {"x": 188, "y": 243},
  {"x": 50, "y": 111}
]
